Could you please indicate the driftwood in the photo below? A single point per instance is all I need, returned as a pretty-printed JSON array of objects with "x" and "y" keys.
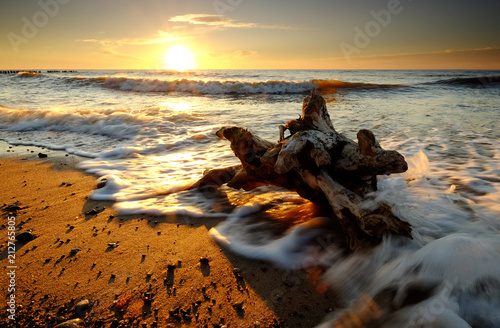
[{"x": 321, "y": 165}]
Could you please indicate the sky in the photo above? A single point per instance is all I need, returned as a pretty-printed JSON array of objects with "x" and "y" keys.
[{"x": 250, "y": 34}]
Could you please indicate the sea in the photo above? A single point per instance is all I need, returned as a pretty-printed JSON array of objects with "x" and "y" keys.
[{"x": 150, "y": 133}]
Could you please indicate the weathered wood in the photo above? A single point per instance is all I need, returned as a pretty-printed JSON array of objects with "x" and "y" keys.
[
  {"x": 217, "y": 177},
  {"x": 323, "y": 166}
]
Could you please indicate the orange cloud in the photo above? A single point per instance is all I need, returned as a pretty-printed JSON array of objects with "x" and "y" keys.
[{"x": 222, "y": 22}]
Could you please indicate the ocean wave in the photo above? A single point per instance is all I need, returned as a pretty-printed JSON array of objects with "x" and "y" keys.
[
  {"x": 484, "y": 81},
  {"x": 111, "y": 123},
  {"x": 228, "y": 87},
  {"x": 28, "y": 74}
]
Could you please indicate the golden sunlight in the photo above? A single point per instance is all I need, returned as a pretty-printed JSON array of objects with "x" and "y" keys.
[{"x": 179, "y": 58}]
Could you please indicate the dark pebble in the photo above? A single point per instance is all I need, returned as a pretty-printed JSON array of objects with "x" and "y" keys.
[
  {"x": 74, "y": 251},
  {"x": 204, "y": 260},
  {"x": 42, "y": 155},
  {"x": 82, "y": 308},
  {"x": 238, "y": 306},
  {"x": 101, "y": 183},
  {"x": 74, "y": 323},
  {"x": 25, "y": 236}
]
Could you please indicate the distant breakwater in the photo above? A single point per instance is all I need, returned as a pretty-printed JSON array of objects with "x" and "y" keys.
[{"x": 36, "y": 72}]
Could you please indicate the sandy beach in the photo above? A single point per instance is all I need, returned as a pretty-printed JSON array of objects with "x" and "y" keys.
[{"x": 87, "y": 262}]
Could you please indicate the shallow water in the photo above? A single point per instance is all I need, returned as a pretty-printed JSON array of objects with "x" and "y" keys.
[{"x": 149, "y": 131}]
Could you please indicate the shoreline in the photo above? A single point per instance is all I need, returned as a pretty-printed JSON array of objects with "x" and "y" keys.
[{"x": 131, "y": 270}]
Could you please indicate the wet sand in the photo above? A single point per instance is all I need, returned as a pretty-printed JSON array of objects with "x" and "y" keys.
[{"x": 135, "y": 271}]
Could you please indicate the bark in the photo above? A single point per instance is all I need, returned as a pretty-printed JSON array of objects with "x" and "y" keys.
[{"x": 321, "y": 165}]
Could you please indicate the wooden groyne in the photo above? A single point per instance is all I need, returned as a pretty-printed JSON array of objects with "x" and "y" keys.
[{"x": 36, "y": 71}]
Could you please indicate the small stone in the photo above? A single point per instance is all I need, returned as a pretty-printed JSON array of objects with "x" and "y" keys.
[
  {"x": 204, "y": 260},
  {"x": 82, "y": 307},
  {"x": 42, "y": 155},
  {"x": 74, "y": 323},
  {"x": 101, "y": 183},
  {"x": 74, "y": 251},
  {"x": 25, "y": 236}
]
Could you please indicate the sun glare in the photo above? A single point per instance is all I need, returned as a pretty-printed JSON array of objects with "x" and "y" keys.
[{"x": 179, "y": 58}]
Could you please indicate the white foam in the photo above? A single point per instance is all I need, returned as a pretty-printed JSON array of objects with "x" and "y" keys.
[
  {"x": 455, "y": 247},
  {"x": 71, "y": 149},
  {"x": 112, "y": 189},
  {"x": 449, "y": 268},
  {"x": 113, "y": 123},
  {"x": 206, "y": 87},
  {"x": 254, "y": 239}
]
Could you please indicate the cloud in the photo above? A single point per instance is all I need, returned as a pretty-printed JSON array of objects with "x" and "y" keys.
[
  {"x": 233, "y": 54},
  {"x": 427, "y": 53},
  {"x": 222, "y": 22},
  {"x": 158, "y": 38},
  {"x": 211, "y": 20},
  {"x": 117, "y": 54},
  {"x": 245, "y": 53},
  {"x": 110, "y": 46}
]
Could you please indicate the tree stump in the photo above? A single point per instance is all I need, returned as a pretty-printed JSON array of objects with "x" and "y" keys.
[{"x": 322, "y": 166}]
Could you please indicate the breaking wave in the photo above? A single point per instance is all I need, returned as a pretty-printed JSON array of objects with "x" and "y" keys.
[
  {"x": 111, "y": 123},
  {"x": 484, "y": 81},
  {"x": 228, "y": 87}
]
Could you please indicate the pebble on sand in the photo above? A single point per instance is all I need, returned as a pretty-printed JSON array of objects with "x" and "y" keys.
[
  {"x": 25, "y": 236},
  {"x": 74, "y": 323},
  {"x": 82, "y": 307}
]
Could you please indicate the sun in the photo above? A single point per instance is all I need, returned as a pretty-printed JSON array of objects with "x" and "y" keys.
[{"x": 179, "y": 58}]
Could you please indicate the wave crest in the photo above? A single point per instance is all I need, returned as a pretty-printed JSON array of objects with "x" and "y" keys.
[
  {"x": 112, "y": 123},
  {"x": 214, "y": 87},
  {"x": 484, "y": 81}
]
